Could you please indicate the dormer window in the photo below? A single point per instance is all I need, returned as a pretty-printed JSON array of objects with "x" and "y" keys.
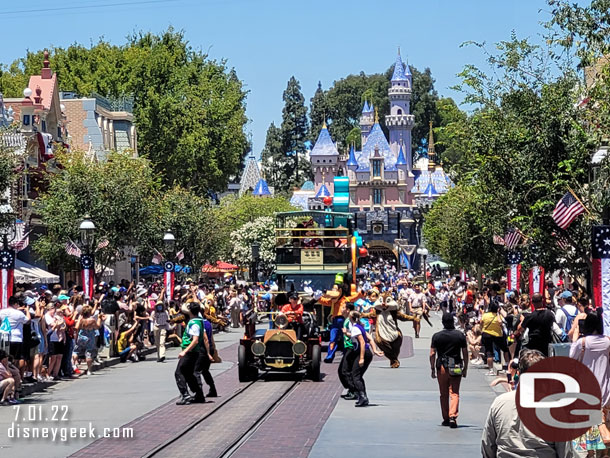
[
  {"x": 399, "y": 111},
  {"x": 376, "y": 168}
]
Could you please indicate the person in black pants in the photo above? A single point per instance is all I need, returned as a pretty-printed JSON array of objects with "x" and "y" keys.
[
  {"x": 363, "y": 356},
  {"x": 193, "y": 338},
  {"x": 345, "y": 366},
  {"x": 205, "y": 359}
]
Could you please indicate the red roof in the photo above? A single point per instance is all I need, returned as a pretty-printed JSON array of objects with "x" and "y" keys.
[{"x": 219, "y": 267}]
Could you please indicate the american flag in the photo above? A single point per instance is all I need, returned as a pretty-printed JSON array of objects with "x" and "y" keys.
[
  {"x": 157, "y": 258},
  {"x": 498, "y": 240},
  {"x": 567, "y": 209},
  {"x": 103, "y": 244},
  {"x": 180, "y": 255},
  {"x": 560, "y": 241},
  {"x": 72, "y": 248},
  {"x": 512, "y": 238},
  {"x": 600, "y": 241},
  {"x": 22, "y": 243}
]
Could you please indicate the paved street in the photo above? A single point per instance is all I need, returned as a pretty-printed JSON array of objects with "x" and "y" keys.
[{"x": 403, "y": 419}]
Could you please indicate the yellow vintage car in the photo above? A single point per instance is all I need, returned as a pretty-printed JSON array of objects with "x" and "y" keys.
[{"x": 279, "y": 349}]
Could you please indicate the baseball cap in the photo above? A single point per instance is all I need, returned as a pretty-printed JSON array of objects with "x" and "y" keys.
[
  {"x": 63, "y": 297},
  {"x": 566, "y": 295},
  {"x": 29, "y": 301}
]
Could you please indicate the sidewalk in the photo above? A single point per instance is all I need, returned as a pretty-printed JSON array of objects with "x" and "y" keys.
[
  {"x": 111, "y": 397},
  {"x": 404, "y": 417}
]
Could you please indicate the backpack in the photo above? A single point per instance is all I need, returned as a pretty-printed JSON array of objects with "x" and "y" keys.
[{"x": 569, "y": 319}]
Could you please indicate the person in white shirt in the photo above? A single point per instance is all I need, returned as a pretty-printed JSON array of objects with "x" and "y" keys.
[
  {"x": 566, "y": 312},
  {"x": 16, "y": 317}
]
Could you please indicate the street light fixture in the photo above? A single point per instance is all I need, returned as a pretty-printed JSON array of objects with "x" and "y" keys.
[
  {"x": 423, "y": 252},
  {"x": 87, "y": 233},
  {"x": 169, "y": 241}
]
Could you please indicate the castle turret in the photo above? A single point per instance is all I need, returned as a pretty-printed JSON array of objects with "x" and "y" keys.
[
  {"x": 366, "y": 120},
  {"x": 400, "y": 121},
  {"x": 324, "y": 159}
]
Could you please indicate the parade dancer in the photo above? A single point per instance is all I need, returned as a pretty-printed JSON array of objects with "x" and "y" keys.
[
  {"x": 194, "y": 335},
  {"x": 336, "y": 300},
  {"x": 363, "y": 356},
  {"x": 387, "y": 333}
]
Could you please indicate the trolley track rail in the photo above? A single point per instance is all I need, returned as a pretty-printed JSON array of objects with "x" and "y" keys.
[{"x": 233, "y": 420}]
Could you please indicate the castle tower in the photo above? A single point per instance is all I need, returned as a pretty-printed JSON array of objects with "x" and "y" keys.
[
  {"x": 431, "y": 150},
  {"x": 400, "y": 121},
  {"x": 324, "y": 159},
  {"x": 366, "y": 120}
]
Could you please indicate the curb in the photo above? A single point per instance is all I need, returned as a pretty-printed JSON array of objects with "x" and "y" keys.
[{"x": 30, "y": 388}]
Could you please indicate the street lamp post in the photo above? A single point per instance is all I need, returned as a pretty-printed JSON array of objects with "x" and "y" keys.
[
  {"x": 423, "y": 252},
  {"x": 8, "y": 230},
  {"x": 418, "y": 217},
  {"x": 256, "y": 254},
  {"x": 87, "y": 261},
  {"x": 169, "y": 266}
]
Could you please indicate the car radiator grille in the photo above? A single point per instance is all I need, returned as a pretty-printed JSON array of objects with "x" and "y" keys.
[{"x": 279, "y": 349}]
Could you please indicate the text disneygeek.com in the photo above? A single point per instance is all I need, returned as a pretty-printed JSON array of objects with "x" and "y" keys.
[{"x": 28, "y": 424}]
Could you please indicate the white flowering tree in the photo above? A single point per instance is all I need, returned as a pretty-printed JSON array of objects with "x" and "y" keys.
[{"x": 261, "y": 230}]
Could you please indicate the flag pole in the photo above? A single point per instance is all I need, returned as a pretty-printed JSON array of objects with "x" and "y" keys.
[{"x": 581, "y": 203}]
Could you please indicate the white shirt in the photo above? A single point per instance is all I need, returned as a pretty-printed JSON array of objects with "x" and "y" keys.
[
  {"x": 355, "y": 332},
  {"x": 50, "y": 320},
  {"x": 194, "y": 330},
  {"x": 16, "y": 319},
  {"x": 561, "y": 317}
]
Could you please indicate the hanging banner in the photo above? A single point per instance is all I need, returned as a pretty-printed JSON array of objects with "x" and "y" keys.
[
  {"x": 87, "y": 273},
  {"x": 168, "y": 279},
  {"x": 512, "y": 277},
  {"x": 513, "y": 273},
  {"x": 463, "y": 275},
  {"x": 600, "y": 241},
  {"x": 536, "y": 281},
  {"x": 7, "y": 272}
]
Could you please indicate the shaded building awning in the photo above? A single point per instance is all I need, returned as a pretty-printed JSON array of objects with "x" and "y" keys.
[{"x": 27, "y": 273}]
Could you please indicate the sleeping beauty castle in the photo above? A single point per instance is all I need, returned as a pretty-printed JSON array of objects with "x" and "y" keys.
[{"x": 380, "y": 184}]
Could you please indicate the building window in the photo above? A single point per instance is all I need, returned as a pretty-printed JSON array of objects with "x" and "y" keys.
[
  {"x": 376, "y": 168},
  {"x": 399, "y": 111},
  {"x": 44, "y": 126},
  {"x": 377, "y": 196}
]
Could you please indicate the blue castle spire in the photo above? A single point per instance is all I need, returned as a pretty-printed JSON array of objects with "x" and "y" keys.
[
  {"x": 366, "y": 108},
  {"x": 399, "y": 70},
  {"x": 351, "y": 161},
  {"x": 322, "y": 192},
  {"x": 261, "y": 188},
  {"x": 401, "y": 160}
]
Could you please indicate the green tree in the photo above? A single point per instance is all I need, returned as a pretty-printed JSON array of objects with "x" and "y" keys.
[
  {"x": 191, "y": 220},
  {"x": 233, "y": 212},
  {"x": 189, "y": 109},
  {"x": 119, "y": 195},
  {"x": 294, "y": 135},
  {"x": 193, "y": 109},
  {"x": 317, "y": 113},
  {"x": 274, "y": 159},
  {"x": 423, "y": 106}
]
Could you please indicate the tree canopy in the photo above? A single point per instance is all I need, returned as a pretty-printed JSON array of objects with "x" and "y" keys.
[{"x": 189, "y": 109}]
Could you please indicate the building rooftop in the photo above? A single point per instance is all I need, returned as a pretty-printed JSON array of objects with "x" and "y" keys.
[{"x": 324, "y": 145}]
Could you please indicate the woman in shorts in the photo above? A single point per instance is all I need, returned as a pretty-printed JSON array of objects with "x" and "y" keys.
[
  {"x": 493, "y": 334},
  {"x": 88, "y": 327}
]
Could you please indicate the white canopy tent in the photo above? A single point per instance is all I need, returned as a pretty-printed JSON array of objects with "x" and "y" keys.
[{"x": 26, "y": 273}]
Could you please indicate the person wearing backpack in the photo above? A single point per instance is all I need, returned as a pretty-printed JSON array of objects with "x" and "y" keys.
[{"x": 567, "y": 311}]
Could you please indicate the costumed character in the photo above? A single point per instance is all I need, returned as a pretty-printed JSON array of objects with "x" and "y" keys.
[
  {"x": 336, "y": 299},
  {"x": 387, "y": 333}
]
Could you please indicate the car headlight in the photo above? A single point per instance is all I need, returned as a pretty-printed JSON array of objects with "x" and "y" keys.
[
  {"x": 299, "y": 348},
  {"x": 281, "y": 321},
  {"x": 258, "y": 348}
]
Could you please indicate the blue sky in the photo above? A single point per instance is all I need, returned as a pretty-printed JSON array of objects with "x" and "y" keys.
[{"x": 268, "y": 41}]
